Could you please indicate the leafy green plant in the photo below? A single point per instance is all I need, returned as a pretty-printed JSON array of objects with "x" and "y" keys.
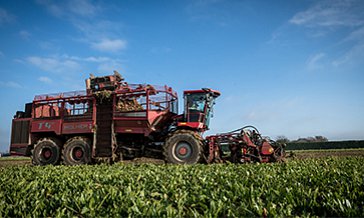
[{"x": 320, "y": 187}]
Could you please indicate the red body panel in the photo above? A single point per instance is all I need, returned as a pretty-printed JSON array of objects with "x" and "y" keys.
[
  {"x": 248, "y": 141},
  {"x": 135, "y": 126},
  {"x": 155, "y": 116},
  {"x": 193, "y": 125},
  {"x": 77, "y": 127},
  {"x": 132, "y": 130},
  {"x": 46, "y": 126},
  {"x": 267, "y": 149}
]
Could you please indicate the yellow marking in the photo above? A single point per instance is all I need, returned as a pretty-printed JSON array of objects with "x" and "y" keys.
[
  {"x": 128, "y": 130},
  {"x": 182, "y": 123}
]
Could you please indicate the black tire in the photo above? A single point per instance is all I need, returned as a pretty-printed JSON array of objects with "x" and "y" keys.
[
  {"x": 46, "y": 151},
  {"x": 76, "y": 151},
  {"x": 184, "y": 147}
]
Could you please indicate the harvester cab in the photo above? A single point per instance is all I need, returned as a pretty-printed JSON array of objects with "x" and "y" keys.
[{"x": 198, "y": 107}]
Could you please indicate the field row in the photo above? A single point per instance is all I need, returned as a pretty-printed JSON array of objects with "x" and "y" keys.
[{"x": 322, "y": 187}]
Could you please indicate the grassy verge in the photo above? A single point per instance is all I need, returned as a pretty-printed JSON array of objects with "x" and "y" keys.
[
  {"x": 14, "y": 158},
  {"x": 14, "y": 161}
]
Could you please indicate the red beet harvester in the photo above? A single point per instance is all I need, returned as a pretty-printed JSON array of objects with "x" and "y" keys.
[{"x": 113, "y": 120}]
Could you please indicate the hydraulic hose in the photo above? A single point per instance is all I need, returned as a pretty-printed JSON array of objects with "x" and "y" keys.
[{"x": 253, "y": 127}]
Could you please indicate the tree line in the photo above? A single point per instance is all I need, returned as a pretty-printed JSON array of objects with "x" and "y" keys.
[{"x": 284, "y": 139}]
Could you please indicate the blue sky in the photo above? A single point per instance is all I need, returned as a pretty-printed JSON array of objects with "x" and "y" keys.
[{"x": 292, "y": 68}]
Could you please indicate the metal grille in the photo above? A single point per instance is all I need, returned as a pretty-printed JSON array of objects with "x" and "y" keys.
[
  {"x": 60, "y": 95},
  {"x": 20, "y": 132}
]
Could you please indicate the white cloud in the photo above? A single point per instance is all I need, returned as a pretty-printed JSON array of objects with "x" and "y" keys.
[
  {"x": 93, "y": 59},
  {"x": 52, "y": 45},
  {"x": 102, "y": 35},
  {"x": 110, "y": 45},
  {"x": 52, "y": 7},
  {"x": 54, "y": 64},
  {"x": 43, "y": 63},
  {"x": 67, "y": 65},
  {"x": 344, "y": 17},
  {"x": 45, "y": 79},
  {"x": 108, "y": 67},
  {"x": 354, "y": 55},
  {"x": 24, "y": 34},
  {"x": 97, "y": 59},
  {"x": 315, "y": 61},
  {"x": 104, "y": 64},
  {"x": 10, "y": 84},
  {"x": 330, "y": 13},
  {"x": 69, "y": 8},
  {"x": 82, "y": 7},
  {"x": 84, "y": 15},
  {"x": 6, "y": 17},
  {"x": 356, "y": 35}
]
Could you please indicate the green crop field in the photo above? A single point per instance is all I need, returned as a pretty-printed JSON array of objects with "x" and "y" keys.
[{"x": 331, "y": 186}]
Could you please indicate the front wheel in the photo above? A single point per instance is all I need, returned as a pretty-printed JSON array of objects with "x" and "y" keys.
[
  {"x": 77, "y": 151},
  {"x": 184, "y": 147}
]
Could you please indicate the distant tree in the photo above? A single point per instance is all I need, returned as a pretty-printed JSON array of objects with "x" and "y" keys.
[
  {"x": 302, "y": 140},
  {"x": 311, "y": 139},
  {"x": 321, "y": 139},
  {"x": 282, "y": 139}
]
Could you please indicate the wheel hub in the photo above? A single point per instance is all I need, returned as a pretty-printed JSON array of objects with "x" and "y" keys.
[
  {"x": 183, "y": 150},
  {"x": 46, "y": 153},
  {"x": 77, "y": 153}
]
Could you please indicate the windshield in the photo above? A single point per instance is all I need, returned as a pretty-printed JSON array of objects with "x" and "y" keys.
[
  {"x": 209, "y": 109},
  {"x": 199, "y": 107},
  {"x": 196, "y": 102}
]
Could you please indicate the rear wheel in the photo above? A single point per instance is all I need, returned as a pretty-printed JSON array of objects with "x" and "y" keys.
[
  {"x": 46, "y": 151},
  {"x": 77, "y": 151},
  {"x": 184, "y": 147}
]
